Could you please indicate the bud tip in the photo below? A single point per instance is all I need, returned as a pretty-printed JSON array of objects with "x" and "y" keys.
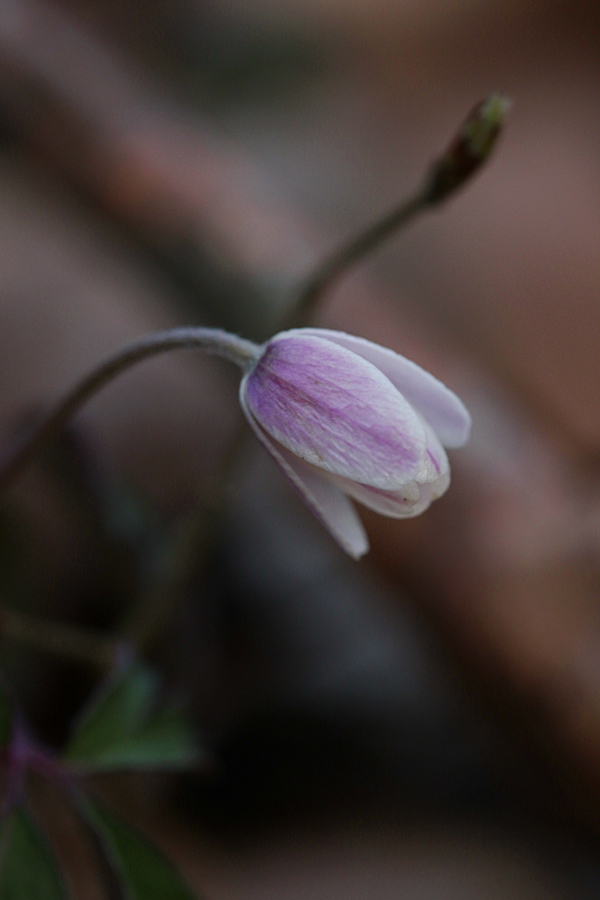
[{"x": 471, "y": 147}]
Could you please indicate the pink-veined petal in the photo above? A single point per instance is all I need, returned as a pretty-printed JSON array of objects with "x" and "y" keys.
[
  {"x": 445, "y": 412},
  {"x": 431, "y": 481},
  {"x": 328, "y": 503},
  {"x": 335, "y": 410}
]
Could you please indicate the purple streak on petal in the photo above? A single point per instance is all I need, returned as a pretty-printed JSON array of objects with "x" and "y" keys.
[
  {"x": 328, "y": 503},
  {"x": 335, "y": 410},
  {"x": 431, "y": 481},
  {"x": 439, "y": 405}
]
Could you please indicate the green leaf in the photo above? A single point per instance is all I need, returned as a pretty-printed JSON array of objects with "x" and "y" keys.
[
  {"x": 124, "y": 730},
  {"x": 142, "y": 870},
  {"x": 114, "y": 715},
  {"x": 165, "y": 741},
  {"x": 28, "y": 870}
]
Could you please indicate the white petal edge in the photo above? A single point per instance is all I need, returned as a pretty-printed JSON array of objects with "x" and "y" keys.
[
  {"x": 435, "y": 462},
  {"x": 444, "y": 411},
  {"x": 329, "y": 504},
  {"x": 394, "y": 504}
]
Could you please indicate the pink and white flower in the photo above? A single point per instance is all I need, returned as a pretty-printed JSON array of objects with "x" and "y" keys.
[{"x": 345, "y": 418}]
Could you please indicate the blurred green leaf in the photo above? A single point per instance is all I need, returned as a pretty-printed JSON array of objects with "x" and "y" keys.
[
  {"x": 124, "y": 729},
  {"x": 143, "y": 871},
  {"x": 165, "y": 741},
  {"x": 114, "y": 714},
  {"x": 28, "y": 870}
]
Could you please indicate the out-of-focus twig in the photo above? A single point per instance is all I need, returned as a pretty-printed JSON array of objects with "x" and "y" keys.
[
  {"x": 191, "y": 199},
  {"x": 62, "y": 639}
]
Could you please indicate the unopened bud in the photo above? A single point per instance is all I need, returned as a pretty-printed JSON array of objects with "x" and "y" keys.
[{"x": 472, "y": 146}]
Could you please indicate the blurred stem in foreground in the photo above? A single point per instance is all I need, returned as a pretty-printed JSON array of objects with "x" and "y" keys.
[
  {"x": 67, "y": 641},
  {"x": 468, "y": 151}
]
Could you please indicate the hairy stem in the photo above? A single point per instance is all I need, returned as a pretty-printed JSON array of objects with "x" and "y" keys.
[
  {"x": 342, "y": 259},
  {"x": 211, "y": 340}
]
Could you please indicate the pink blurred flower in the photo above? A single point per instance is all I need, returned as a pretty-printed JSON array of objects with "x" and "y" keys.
[{"x": 346, "y": 418}]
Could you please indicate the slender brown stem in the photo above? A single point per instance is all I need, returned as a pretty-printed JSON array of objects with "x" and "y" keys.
[{"x": 72, "y": 641}]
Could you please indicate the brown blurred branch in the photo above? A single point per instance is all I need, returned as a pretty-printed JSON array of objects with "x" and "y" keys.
[{"x": 184, "y": 194}]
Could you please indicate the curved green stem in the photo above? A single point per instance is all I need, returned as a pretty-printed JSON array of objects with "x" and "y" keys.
[
  {"x": 212, "y": 340},
  {"x": 470, "y": 148},
  {"x": 341, "y": 260}
]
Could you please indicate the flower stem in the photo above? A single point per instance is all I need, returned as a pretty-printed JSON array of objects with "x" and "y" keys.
[
  {"x": 212, "y": 340},
  {"x": 342, "y": 259},
  {"x": 470, "y": 148},
  {"x": 68, "y": 641}
]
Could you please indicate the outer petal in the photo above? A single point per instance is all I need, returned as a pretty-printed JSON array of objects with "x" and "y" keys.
[
  {"x": 394, "y": 504},
  {"x": 435, "y": 462},
  {"x": 439, "y": 405},
  {"x": 411, "y": 501},
  {"x": 430, "y": 492},
  {"x": 335, "y": 410},
  {"x": 329, "y": 504},
  {"x": 432, "y": 480}
]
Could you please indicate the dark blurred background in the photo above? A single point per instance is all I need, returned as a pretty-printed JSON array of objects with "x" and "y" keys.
[{"x": 425, "y": 724}]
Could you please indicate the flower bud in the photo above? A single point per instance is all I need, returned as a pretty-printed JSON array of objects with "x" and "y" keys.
[
  {"x": 472, "y": 146},
  {"x": 345, "y": 418}
]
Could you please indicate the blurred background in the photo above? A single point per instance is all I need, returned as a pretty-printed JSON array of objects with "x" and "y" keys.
[{"x": 425, "y": 724}]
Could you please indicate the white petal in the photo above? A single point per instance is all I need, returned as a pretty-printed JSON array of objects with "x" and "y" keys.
[
  {"x": 394, "y": 504},
  {"x": 329, "y": 504},
  {"x": 435, "y": 462},
  {"x": 431, "y": 491},
  {"x": 411, "y": 501},
  {"x": 440, "y": 406}
]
